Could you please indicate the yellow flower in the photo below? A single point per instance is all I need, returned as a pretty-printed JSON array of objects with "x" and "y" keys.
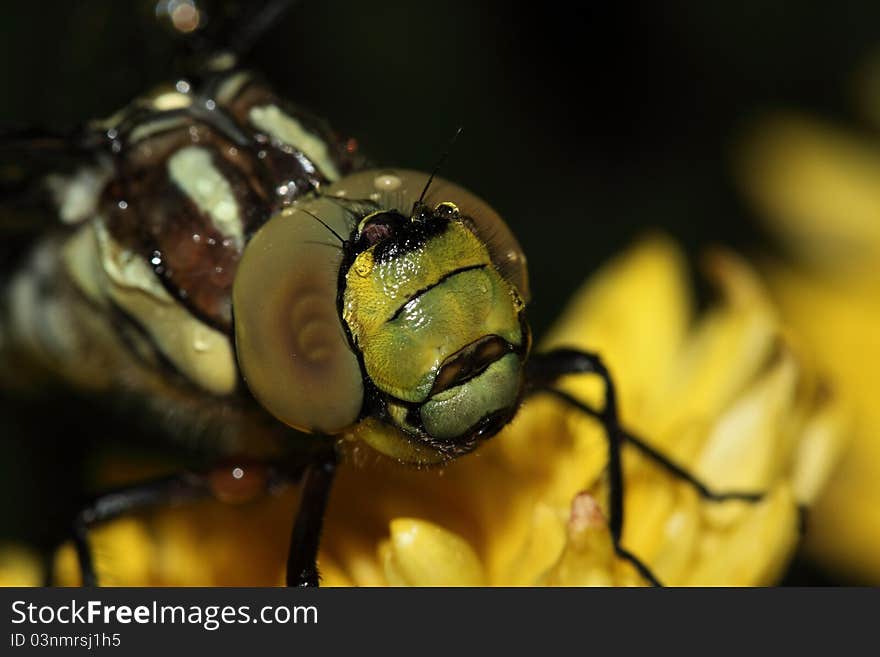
[
  {"x": 725, "y": 393},
  {"x": 19, "y": 567},
  {"x": 819, "y": 187}
]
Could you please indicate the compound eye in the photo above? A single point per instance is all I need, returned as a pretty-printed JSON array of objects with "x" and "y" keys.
[{"x": 291, "y": 346}]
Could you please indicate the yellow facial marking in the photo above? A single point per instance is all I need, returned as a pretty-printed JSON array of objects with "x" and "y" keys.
[
  {"x": 363, "y": 266},
  {"x": 411, "y": 312},
  {"x": 392, "y": 442},
  {"x": 371, "y": 300}
]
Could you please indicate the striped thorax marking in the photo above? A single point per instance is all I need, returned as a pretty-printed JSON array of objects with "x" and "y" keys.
[
  {"x": 110, "y": 274},
  {"x": 193, "y": 171},
  {"x": 288, "y": 130},
  {"x": 156, "y": 226}
]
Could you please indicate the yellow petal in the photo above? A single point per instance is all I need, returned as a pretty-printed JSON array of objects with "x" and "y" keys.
[
  {"x": 542, "y": 547},
  {"x": 122, "y": 552},
  {"x": 588, "y": 558},
  {"x": 634, "y": 312},
  {"x": 549, "y": 441},
  {"x": 820, "y": 445},
  {"x": 649, "y": 501},
  {"x": 739, "y": 284},
  {"x": 744, "y": 450},
  {"x": 394, "y": 575},
  {"x": 332, "y": 573},
  {"x": 356, "y": 558},
  {"x": 819, "y": 187},
  {"x": 547, "y": 456},
  {"x": 19, "y": 567},
  {"x": 424, "y": 554},
  {"x": 837, "y": 319},
  {"x": 754, "y": 552},
  {"x": 726, "y": 349},
  {"x": 843, "y": 529},
  {"x": 681, "y": 534}
]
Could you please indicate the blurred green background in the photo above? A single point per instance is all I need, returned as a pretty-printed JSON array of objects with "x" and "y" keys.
[{"x": 582, "y": 126}]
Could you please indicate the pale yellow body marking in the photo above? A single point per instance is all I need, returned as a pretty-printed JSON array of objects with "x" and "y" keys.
[
  {"x": 287, "y": 129},
  {"x": 192, "y": 171},
  {"x": 106, "y": 271}
]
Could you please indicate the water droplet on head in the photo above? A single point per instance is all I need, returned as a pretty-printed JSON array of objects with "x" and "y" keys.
[{"x": 387, "y": 182}]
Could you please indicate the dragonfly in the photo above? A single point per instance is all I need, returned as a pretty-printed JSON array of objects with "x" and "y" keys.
[{"x": 222, "y": 259}]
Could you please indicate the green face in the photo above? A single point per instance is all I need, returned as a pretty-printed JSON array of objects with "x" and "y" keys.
[{"x": 439, "y": 328}]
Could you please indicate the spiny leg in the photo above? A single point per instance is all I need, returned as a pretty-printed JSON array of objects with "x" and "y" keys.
[
  {"x": 178, "y": 488},
  {"x": 189, "y": 486},
  {"x": 615, "y": 477},
  {"x": 705, "y": 491},
  {"x": 302, "y": 567},
  {"x": 225, "y": 482},
  {"x": 560, "y": 362},
  {"x": 544, "y": 370},
  {"x": 681, "y": 473}
]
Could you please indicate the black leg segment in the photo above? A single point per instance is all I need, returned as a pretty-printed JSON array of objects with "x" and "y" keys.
[
  {"x": 174, "y": 489},
  {"x": 545, "y": 369},
  {"x": 190, "y": 486},
  {"x": 615, "y": 480},
  {"x": 302, "y": 568}
]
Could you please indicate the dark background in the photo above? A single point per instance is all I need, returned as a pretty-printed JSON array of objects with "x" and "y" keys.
[{"x": 584, "y": 126}]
